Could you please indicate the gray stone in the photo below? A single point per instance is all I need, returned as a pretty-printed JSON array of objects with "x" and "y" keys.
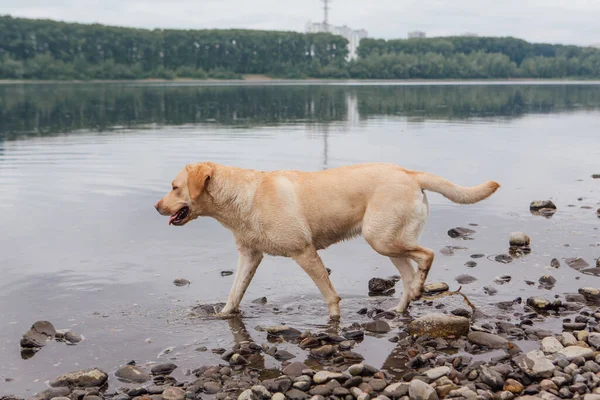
[
  {"x": 551, "y": 345},
  {"x": 247, "y": 395},
  {"x": 378, "y": 326},
  {"x": 261, "y": 392},
  {"x": 380, "y": 286},
  {"x": 326, "y": 376},
  {"x": 396, "y": 390},
  {"x": 163, "y": 369},
  {"x": 438, "y": 372},
  {"x": 488, "y": 340},
  {"x": 573, "y": 352},
  {"x": 491, "y": 378},
  {"x": 535, "y": 364},
  {"x": 594, "y": 340},
  {"x": 419, "y": 390},
  {"x": 325, "y": 351},
  {"x": 278, "y": 396},
  {"x": 465, "y": 279},
  {"x": 92, "y": 377},
  {"x": 439, "y": 325},
  {"x": 132, "y": 373},
  {"x": 294, "y": 369},
  {"x": 537, "y": 205},
  {"x": 212, "y": 387},
  {"x": 590, "y": 293},
  {"x": 295, "y": 394}
]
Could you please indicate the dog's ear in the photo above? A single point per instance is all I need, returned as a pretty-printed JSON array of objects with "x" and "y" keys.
[{"x": 198, "y": 176}]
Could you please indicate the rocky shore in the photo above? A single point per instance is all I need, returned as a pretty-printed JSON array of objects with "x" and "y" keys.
[{"x": 448, "y": 352}]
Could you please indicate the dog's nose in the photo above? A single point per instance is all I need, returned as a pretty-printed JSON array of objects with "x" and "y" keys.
[{"x": 157, "y": 205}]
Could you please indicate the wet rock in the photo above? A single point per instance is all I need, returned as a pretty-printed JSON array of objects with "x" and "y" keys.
[
  {"x": 575, "y": 298},
  {"x": 362, "y": 370},
  {"x": 450, "y": 250},
  {"x": 577, "y": 263},
  {"x": 490, "y": 290},
  {"x": 260, "y": 300},
  {"x": 439, "y": 325},
  {"x": 238, "y": 359},
  {"x": 419, "y": 390},
  {"x": 38, "y": 335},
  {"x": 461, "y": 312},
  {"x": 574, "y": 326},
  {"x": 594, "y": 340},
  {"x": 470, "y": 264},
  {"x": 283, "y": 355},
  {"x": 132, "y": 373},
  {"x": 381, "y": 287},
  {"x": 72, "y": 338},
  {"x": 547, "y": 281},
  {"x": 227, "y": 272},
  {"x": 535, "y": 364},
  {"x": 551, "y": 345},
  {"x": 460, "y": 232},
  {"x": 378, "y": 326},
  {"x": 173, "y": 393},
  {"x": 503, "y": 258},
  {"x": 163, "y": 369},
  {"x": 502, "y": 279},
  {"x": 519, "y": 239},
  {"x": 354, "y": 335},
  {"x": 325, "y": 376},
  {"x": 283, "y": 331},
  {"x": 181, "y": 282},
  {"x": 491, "y": 378},
  {"x": 208, "y": 310},
  {"x": 539, "y": 205},
  {"x": 591, "y": 294},
  {"x": 554, "y": 263},
  {"x": 572, "y": 352},
  {"x": 539, "y": 303},
  {"x": 488, "y": 340},
  {"x": 595, "y": 176},
  {"x": 432, "y": 288},
  {"x": 92, "y": 377},
  {"x": 465, "y": 279},
  {"x": 325, "y": 351}
]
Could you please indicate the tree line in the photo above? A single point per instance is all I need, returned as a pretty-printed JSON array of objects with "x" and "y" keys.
[{"x": 45, "y": 49}]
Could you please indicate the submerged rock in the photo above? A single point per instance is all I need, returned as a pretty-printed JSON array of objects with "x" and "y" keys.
[
  {"x": 590, "y": 293},
  {"x": 181, "y": 282},
  {"x": 381, "y": 287},
  {"x": 542, "y": 207},
  {"x": 554, "y": 263},
  {"x": 439, "y": 325},
  {"x": 488, "y": 340},
  {"x": 92, "y": 377},
  {"x": 503, "y": 258},
  {"x": 133, "y": 373},
  {"x": 465, "y": 279},
  {"x": 378, "y": 326},
  {"x": 38, "y": 335},
  {"x": 283, "y": 331},
  {"x": 460, "y": 232}
]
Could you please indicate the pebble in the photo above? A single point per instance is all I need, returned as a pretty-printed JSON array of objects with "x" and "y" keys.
[
  {"x": 439, "y": 325},
  {"x": 438, "y": 287},
  {"x": 92, "y": 377},
  {"x": 325, "y": 376},
  {"x": 378, "y": 326},
  {"x": 419, "y": 390},
  {"x": 551, "y": 345},
  {"x": 465, "y": 279},
  {"x": 132, "y": 373},
  {"x": 436, "y": 373},
  {"x": 535, "y": 364},
  {"x": 181, "y": 282},
  {"x": 325, "y": 351},
  {"x": 380, "y": 286},
  {"x": 283, "y": 331},
  {"x": 513, "y": 386},
  {"x": 572, "y": 352},
  {"x": 163, "y": 369},
  {"x": 488, "y": 340}
]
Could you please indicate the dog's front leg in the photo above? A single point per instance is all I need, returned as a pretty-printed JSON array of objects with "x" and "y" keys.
[{"x": 247, "y": 265}]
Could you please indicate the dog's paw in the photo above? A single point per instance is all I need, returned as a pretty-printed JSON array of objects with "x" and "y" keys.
[{"x": 416, "y": 292}]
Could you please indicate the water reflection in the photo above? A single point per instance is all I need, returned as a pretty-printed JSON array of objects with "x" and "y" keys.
[{"x": 38, "y": 110}]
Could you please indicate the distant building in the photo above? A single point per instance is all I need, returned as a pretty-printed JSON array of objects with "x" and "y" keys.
[
  {"x": 353, "y": 36},
  {"x": 417, "y": 35}
]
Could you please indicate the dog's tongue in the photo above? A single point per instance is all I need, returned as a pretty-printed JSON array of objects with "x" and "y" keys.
[{"x": 173, "y": 217}]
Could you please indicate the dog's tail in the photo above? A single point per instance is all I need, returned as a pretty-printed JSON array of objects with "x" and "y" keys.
[{"x": 458, "y": 194}]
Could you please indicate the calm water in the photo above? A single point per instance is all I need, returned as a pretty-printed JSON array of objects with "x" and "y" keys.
[{"x": 82, "y": 246}]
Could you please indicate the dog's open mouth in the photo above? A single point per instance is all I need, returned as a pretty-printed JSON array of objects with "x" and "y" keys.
[{"x": 179, "y": 216}]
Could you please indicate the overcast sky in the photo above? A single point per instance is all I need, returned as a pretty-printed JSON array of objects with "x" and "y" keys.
[{"x": 554, "y": 21}]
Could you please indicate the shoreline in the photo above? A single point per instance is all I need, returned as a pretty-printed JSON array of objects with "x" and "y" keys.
[{"x": 266, "y": 80}]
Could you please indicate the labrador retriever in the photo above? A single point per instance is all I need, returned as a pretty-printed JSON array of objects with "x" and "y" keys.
[{"x": 295, "y": 214}]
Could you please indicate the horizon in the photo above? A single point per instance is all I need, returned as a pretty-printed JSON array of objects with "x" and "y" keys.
[{"x": 535, "y": 21}]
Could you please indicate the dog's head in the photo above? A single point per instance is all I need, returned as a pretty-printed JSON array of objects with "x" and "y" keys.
[{"x": 189, "y": 197}]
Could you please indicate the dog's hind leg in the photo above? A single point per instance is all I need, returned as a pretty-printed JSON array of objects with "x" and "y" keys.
[
  {"x": 247, "y": 265},
  {"x": 407, "y": 273},
  {"x": 312, "y": 264}
]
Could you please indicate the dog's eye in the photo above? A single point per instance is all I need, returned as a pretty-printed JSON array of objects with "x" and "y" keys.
[{"x": 175, "y": 188}]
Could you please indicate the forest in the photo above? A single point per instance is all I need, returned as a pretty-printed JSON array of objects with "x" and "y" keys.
[{"x": 52, "y": 50}]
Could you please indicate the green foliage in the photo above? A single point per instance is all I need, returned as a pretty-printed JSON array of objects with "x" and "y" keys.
[{"x": 44, "y": 49}]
